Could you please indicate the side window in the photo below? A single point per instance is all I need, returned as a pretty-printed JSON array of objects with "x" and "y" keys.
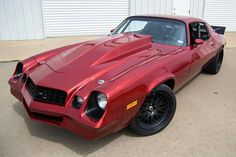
[
  {"x": 198, "y": 31},
  {"x": 203, "y": 32},
  {"x": 193, "y": 27}
]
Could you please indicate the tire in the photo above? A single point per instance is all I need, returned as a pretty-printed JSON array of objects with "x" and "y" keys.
[
  {"x": 156, "y": 112},
  {"x": 214, "y": 66}
]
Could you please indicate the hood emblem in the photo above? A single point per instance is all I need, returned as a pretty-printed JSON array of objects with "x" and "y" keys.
[{"x": 101, "y": 82}]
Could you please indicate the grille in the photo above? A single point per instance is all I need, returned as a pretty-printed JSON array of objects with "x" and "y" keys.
[
  {"x": 47, "y": 117},
  {"x": 47, "y": 95}
]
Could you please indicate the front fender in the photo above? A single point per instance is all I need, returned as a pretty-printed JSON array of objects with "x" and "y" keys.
[
  {"x": 135, "y": 89},
  {"x": 159, "y": 79},
  {"x": 48, "y": 54}
]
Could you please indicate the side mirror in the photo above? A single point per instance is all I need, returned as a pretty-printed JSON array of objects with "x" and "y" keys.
[
  {"x": 112, "y": 30},
  {"x": 198, "y": 41}
]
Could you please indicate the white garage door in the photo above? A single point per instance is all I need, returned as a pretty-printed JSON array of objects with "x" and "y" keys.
[
  {"x": 221, "y": 13},
  {"x": 82, "y": 17}
]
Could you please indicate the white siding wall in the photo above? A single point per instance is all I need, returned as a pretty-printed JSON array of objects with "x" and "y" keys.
[
  {"x": 23, "y": 19},
  {"x": 221, "y": 13},
  {"x": 82, "y": 17},
  {"x": 20, "y": 20},
  {"x": 197, "y": 8},
  {"x": 138, "y": 7}
]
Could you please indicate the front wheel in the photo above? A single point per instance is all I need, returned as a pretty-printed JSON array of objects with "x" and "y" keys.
[{"x": 156, "y": 112}]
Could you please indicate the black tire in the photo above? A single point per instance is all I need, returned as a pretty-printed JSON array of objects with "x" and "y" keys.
[
  {"x": 156, "y": 112},
  {"x": 214, "y": 66}
]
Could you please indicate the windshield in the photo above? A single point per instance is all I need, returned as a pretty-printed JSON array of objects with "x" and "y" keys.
[{"x": 164, "y": 31}]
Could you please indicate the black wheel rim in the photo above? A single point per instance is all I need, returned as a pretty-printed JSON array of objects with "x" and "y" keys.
[{"x": 155, "y": 111}]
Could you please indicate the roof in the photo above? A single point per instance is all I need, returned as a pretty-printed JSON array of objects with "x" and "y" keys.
[{"x": 187, "y": 19}]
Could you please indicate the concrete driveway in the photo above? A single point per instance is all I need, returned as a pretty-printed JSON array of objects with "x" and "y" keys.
[{"x": 204, "y": 125}]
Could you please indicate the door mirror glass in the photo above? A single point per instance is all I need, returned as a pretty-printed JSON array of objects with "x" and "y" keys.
[{"x": 198, "y": 41}]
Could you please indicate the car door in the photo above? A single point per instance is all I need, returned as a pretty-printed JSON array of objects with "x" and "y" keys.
[
  {"x": 200, "y": 52},
  {"x": 210, "y": 48},
  {"x": 213, "y": 44}
]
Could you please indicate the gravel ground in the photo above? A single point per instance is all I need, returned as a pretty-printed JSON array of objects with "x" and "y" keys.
[{"x": 204, "y": 124}]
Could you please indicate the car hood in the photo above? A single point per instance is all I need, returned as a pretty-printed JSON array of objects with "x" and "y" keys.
[
  {"x": 104, "y": 58},
  {"x": 97, "y": 52}
]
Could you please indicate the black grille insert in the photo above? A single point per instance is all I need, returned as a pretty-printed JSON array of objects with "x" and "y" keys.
[
  {"x": 44, "y": 94},
  {"x": 47, "y": 117}
]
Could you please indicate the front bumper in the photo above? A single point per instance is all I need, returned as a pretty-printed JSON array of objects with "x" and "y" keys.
[{"x": 61, "y": 116}]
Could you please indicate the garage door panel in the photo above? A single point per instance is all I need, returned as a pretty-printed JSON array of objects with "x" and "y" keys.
[
  {"x": 221, "y": 13},
  {"x": 82, "y": 17}
]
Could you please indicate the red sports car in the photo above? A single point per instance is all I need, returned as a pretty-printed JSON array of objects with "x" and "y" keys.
[{"x": 128, "y": 78}]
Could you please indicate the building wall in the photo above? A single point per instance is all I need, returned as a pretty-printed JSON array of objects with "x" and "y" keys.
[
  {"x": 38, "y": 19},
  {"x": 21, "y": 20},
  {"x": 221, "y": 13},
  {"x": 164, "y": 7},
  {"x": 82, "y": 17},
  {"x": 138, "y": 7},
  {"x": 197, "y": 8}
]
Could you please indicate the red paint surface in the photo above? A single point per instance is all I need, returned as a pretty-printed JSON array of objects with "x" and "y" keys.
[{"x": 130, "y": 64}]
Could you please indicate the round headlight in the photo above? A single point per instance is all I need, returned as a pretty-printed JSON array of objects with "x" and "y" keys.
[
  {"x": 102, "y": 100},
  {"x": 77, "y": 102}
]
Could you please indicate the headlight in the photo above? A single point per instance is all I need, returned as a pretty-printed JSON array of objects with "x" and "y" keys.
[
  {"x": 77, "y": 102},
  {"x": 102, "y": 100},
  {"x": 97, "y": 103}
]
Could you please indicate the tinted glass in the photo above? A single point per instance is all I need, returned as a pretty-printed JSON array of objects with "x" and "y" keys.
[
  {"x": 193, "y": 32},
  {"x": 203, "y": 32},
  {"x": 165, "y": 31},
  {"x": 198, "y": 31}
]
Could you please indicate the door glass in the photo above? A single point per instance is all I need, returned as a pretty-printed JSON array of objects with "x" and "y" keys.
[
  {"x": 193, "y": 27},
  {"x": 203, "y": 32}
]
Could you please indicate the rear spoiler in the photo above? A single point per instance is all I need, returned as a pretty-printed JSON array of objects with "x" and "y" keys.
[{"x": 219, "y": 29}]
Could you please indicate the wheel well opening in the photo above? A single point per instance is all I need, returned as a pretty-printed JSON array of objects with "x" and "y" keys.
[{"x": 170, "y": 83}]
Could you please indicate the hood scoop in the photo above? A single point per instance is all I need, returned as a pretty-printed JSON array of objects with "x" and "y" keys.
[
  {"x": 124, "y": 46},
  {"x": 100, "y": 51}
]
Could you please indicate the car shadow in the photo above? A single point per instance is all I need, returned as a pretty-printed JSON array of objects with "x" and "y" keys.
[{"x": 59, "y": 135}]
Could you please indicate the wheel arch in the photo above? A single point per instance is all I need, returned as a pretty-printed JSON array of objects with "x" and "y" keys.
[
  {"x": 170, "y": 83},
  {"x": 167, "y": 79}
]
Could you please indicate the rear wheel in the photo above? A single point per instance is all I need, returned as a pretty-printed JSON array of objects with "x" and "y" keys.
[
  {"x": 215, "y": 65},
  {"x": 156, "y": 112}
]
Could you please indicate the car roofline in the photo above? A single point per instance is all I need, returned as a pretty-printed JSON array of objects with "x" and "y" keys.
[{"x": 186, "y": 19}]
